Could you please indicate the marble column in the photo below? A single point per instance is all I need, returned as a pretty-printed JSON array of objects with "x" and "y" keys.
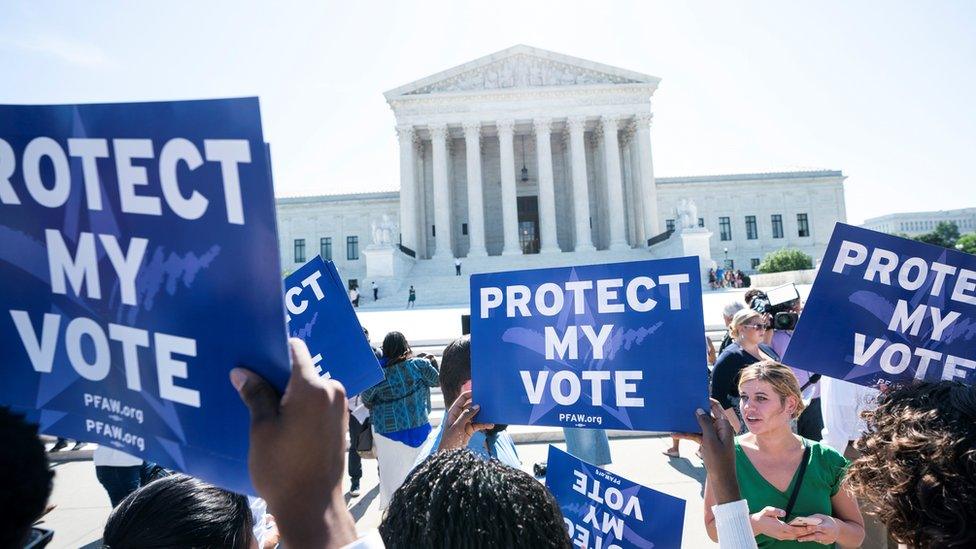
[
  {"x": 581, "y": 193},
  {"x": 648, "y": 186},
  {"x": 635, "y": 205},
  {"x": 627, "y": 176},
  {"x": 476, "y": 207},
  {"x": 442, "y": 202},
  {"x": 408, "y": 190},
  {"x": 506, "y": 145},
  {"x": 547, "y": 191},
  {"x": 615, "y": 187}
]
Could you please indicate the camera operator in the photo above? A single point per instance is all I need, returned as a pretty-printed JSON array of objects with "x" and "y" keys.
[{"x": 782, "y": 306}]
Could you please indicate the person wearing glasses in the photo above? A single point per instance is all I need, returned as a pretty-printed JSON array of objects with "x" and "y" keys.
[{"x": 747, "y": 330}]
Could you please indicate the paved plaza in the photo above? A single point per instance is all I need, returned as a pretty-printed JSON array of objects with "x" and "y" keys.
[{"x": 83, "y": 506}]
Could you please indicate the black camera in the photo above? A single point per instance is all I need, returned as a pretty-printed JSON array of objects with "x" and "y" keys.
[
  {"x": 785, "y": 320},
  {"x": 779, "y": 304}
]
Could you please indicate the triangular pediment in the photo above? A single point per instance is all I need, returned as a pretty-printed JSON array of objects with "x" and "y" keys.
[{"x": 520, "y": 67}]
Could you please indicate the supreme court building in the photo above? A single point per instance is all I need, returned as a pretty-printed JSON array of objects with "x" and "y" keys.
[{"x": 528, "y": 157}]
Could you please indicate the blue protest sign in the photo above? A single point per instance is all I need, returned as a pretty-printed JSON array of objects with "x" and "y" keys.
[
  {"x": 319, "y": 313},
  {"x": 888, "y": 308},
  {"x": 603, "y": 510},
  {"x": 617, "y": 346},
  {"x": 138, "y": 253}
]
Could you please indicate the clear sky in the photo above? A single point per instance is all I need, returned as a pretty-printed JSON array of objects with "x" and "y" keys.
[{"x": 885, "y": 91}]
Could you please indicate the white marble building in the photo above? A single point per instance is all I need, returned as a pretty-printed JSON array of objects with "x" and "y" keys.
[
  {"x": 916, "y": 223},
  {"x": 529, "y": 158}
]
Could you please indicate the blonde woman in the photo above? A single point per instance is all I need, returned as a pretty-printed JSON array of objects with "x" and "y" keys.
[
  {"x": 794, "y": 487},
  {"x": 747, "y": 330}
]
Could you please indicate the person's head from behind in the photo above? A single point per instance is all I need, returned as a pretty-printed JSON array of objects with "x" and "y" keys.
[
  {"x": 395, "y": 348},
  {"x": 747, "y": 327},
  {"x": 455, "y": 368},
  {"x": 729, "y": 311},
  {"x": 456, "y": 499},
  {"x": 918, "y": 464},
  {"x": 752, "y": 294},
  {"x": 180, "y": 511},
  {"x": 25, "y": 479},
  {"x": 769, "y": 397}
]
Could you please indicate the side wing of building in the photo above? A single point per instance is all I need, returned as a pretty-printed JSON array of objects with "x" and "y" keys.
[{"x": 751, "y": 215}]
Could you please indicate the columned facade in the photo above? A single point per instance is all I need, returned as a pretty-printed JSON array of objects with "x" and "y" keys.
[
  {"x": 493, "y": 181},
  {"x": 459, "y": 163}
]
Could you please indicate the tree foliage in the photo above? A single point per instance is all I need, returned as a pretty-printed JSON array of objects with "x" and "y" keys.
[
  {"x": 786, "y": 259},
  {"x": 946, "y": 234},
  {"x": 967, "y": 243}
]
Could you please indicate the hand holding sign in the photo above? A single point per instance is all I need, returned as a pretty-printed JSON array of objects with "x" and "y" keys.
[
  {"x": 460, "y": 423},
  {"x": 296, "y": 451},
  {"x": 718, "y": 453}
]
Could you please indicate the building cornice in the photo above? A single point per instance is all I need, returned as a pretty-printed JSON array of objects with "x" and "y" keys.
[
  {"x": 767, "y": 176},
  {"x": 350, "y": 197}
]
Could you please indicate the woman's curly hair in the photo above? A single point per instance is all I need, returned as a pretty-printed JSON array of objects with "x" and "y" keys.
[
  {"x": 918, "y": 464},
  {"x": 455, "y": 499}
]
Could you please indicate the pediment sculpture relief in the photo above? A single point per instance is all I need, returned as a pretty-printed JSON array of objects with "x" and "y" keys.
[{"x": 522, "y": 71}]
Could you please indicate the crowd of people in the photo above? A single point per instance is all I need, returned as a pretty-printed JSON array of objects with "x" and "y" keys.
[
  {"x": 727, "y": 278},
  {"x": 870, "y": 467}
]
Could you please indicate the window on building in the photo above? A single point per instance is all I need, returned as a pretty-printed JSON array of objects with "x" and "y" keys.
[
  {"x": 725, "y": 228},
  {"x": 299, "y": 250},
  {"x": 433, "y": 230},
  {"x": 352, "y": 247},
  {"x": 752, "y": 231},
  {"x": 325, "y": 248},
  {"x": 353, "y": 283},
  {"x": 802, "y": 225},
  {"x": 754, "y": 262},
  {"x": 464, "y": 229},
  {"x": 701, "y": 222},
  {"x": 777, "y": 220},
  {"x": 669, "y": 224},
  {"x": 729, "y": 264}
]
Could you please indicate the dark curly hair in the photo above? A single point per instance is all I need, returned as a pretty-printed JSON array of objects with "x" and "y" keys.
[
  {"x": 918, "y": 464},
  {"x": 455, "y": 499}
]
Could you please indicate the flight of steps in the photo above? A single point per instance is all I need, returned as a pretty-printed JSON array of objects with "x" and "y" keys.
[{"x": 437, "y": 286}]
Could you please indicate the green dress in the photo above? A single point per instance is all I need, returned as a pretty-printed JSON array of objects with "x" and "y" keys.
[{"x": 822, "y": 479}]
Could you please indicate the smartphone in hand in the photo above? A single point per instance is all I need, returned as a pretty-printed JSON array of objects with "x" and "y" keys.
[{"x": 805, "y": 521}]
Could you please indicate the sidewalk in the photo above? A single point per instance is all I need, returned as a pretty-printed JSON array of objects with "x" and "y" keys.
[{"x": 83, "y": 506}]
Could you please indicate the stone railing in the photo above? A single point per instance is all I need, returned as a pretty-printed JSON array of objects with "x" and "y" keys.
[{"x": 407, "y": 251}]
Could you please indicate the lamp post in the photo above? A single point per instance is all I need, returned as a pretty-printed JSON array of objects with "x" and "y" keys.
[{"x": 726, "y": 250}]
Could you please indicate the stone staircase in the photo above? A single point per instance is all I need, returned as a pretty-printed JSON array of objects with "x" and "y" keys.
[{"x": 437, "y": 286}]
